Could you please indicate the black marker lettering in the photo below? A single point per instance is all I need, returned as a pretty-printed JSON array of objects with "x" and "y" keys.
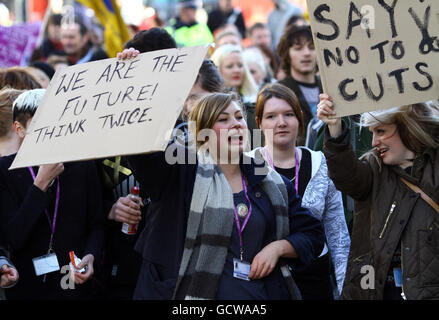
[
  {"x": 380, "y": 46},
  {"x": 105, "y": 74},
  {"x": 320, "y": 18},
  {"x": 354, "y": 23},
  {"x": 127, "y": 94},
  {"x": 416, "y": 85},
  {"x": 369, "y": 91},
  {"x": 398, "y": 76},
  {"x": 398, "y": 50},
  {"x": 99, "y": 97},
  {"x": 391, "y": 11},
  {"x": 353, "y": 59},
  {"x": 74, "y": 87},
  {"x": 328, "y": 56},
  {"x": 144, "y": 113},
  {"x": 119, "y": 66},
  {"x": 63, "y": 87},
  {"x": 177, "y": 62},
  {"x": 130, "y": 67},
  {"x": 67, "y": 106},
  {"x": 344, "y": 93}
]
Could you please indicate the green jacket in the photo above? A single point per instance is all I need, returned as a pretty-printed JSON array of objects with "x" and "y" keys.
[
  {"x": 189, "y": 35},
  {"x": 388, "y": 215}
]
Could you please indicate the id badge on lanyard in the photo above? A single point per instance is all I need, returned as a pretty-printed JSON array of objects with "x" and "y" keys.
[
  {"x": 49, "y": 262},
  {"x": 46, "y": 264},
  {"x": 241, "y": 268}
]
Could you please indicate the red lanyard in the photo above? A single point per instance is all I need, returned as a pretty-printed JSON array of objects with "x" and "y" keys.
[
  {"x": 55, "y": 214},
  {"x": 238, "y": 224},
  {"x": 296, "y": 170}
]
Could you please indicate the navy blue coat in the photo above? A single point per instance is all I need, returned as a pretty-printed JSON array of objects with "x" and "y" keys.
[{"x": 162, "y": 241}]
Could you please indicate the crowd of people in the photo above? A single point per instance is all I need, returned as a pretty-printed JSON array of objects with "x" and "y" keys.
[{"x": 296, "y": 215}]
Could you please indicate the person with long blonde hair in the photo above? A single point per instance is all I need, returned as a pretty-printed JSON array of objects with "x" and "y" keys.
[{"x": 235, "y": 72}]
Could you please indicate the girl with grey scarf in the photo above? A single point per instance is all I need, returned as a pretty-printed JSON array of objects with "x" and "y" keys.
[{"x": 224, "y": 225}]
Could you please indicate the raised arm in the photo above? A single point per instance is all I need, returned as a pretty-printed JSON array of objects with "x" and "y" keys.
[{"x": 349, "y": 174}]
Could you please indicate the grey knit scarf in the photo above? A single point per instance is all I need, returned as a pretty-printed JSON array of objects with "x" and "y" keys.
[{"x": 209, "y": 229}]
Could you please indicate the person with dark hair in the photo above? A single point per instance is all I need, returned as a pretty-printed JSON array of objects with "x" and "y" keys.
[
  {"x": 151, "y": 40},
  {"x": 299, "y": 62},
  {"x": 296, "y": 20},
  {"x": 18, "y": 78},
  {"x": 76, "y": 43},
  {"x": 52, "y": 37},
  {"x": 185, "y": 29},
  {"x": 226, "y": 14},
  {"x": 221, "y": 219},
  {"x": 258, "y": 34},
  {"x": 42, "y": 71},
  {"x": 47, "y": 212},
  {"x": 45, "y": 67}
]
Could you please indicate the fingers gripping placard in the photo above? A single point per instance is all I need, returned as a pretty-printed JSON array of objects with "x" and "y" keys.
[
  {"x": 377, "y": 54},
  {"x": 111, "y": 107}
]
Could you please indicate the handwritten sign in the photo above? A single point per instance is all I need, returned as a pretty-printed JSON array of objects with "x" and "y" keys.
[
  {"x": 376, "y": 54},
  {"x": 111, "y": 107},
  {"x": 17, "y": 43}
]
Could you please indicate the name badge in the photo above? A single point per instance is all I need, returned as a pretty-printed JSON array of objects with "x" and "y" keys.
[
  {"x": 241, "y": 269},
  {"x": 397, "y": 274},
  {"x": 45, "y": 264}
]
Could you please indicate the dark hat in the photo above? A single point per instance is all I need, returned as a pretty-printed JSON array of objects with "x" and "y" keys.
[
  {"x": 194, "y": 4},
  {"x": 45, "y": 67}
]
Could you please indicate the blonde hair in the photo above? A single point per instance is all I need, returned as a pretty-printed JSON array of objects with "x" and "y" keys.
[
  {"x": 417, "y": 124},
  {"x": 254, "y": 55},
  {"x": 249, "y": 89},
  {"x": 207, "y": 110}
]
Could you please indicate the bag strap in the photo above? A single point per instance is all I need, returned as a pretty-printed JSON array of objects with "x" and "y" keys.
[{"x": 424, "y": 196}]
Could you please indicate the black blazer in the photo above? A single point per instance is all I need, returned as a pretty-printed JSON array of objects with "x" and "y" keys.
[{"x": 25, "y": 228}]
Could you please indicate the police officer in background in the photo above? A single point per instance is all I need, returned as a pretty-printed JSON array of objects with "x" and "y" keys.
[{"x": 185, "y": 29}]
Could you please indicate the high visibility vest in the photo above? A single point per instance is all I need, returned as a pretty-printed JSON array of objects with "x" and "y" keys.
[{"x": 195, "y": 35}]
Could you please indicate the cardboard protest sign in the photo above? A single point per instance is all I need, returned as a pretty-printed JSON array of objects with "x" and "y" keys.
[
  {"x": 376, "y": 54},
  {"x": 17, "y": 43},
  {"x": 111, "y": 107}
]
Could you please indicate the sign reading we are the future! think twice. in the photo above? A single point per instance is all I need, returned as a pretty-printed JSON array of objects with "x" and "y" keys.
[
  {"x": 111, "y": 107},
  {"x": 376, "y": 54}
]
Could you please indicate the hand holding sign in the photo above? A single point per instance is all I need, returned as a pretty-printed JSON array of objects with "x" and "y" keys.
[{"x": 325, "y": 112}]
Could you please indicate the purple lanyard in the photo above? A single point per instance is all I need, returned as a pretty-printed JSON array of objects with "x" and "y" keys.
[
  {"x": 296, "y": 173},
  {"x": 238, "y": 224},
  {"x": 55, "y": 214}
]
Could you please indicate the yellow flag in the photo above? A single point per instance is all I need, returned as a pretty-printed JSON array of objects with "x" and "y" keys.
[{"x": 116, "y": 31}]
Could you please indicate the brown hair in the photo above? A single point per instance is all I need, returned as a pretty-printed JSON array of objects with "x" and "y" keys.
[
  {"x": 18, "y": 78},
  {"x": 7, "y": 97},
  {"x": 281, "y": 92},
  {"x": 291, "y": 36},
  {"x": 207, "y": 110}
]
